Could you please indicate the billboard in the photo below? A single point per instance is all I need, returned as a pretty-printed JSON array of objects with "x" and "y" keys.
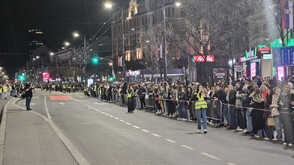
[
  {"x": 219, "y": 74},
  {"x": 200, "y": 58},
  {"x": 46, "y": 76}
]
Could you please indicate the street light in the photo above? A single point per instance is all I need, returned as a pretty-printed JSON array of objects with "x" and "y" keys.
[
  {"x": 109, "y": 5},
  {"x": 51, "y": 54},
  {"x": 66, "y": 43},
  {"x": 178, "y": 4},
  {"x": 76, "y": 35}
]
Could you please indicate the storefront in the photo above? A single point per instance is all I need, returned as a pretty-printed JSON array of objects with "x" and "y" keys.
[{"x": 251, "y": 64}]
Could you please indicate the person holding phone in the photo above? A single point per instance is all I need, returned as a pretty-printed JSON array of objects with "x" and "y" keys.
[
  {"x": 28, "y": 95},
  {"x": 201, "y": 108}
]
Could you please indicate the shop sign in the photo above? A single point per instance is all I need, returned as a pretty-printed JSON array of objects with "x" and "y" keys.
[
  {"x": 199, "y": 58},
  {"x": 133, "y": 73},
  {"x": 243, "y": 59},
  {"x": 219, "y": 74},
  {"x": 238, "y": 68},
  {"x": 283, "y": 56},
  {"x": 264, "y": 50},
  {"x": 267, "y": 56},
  {"x": 251, "y": 53}
]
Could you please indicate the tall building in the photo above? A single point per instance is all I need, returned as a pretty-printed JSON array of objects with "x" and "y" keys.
[{"x": 35, "y": 39}]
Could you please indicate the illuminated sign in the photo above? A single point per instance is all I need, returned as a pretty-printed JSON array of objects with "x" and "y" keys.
[
  {"x": 260, "y": 49},
  {"x": 250, "y": 54},
  {"x": 46, "y": 76},
  {"x": 133, "y": 73},
  {"x": 280, "y": 72},
  {"x": 199, "y": 58},
  {"x": 253, "y": 70},
  {"x": 267, "y": 56}
]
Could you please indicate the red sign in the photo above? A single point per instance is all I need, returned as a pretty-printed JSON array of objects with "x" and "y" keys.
[
  {"x": 46, "y": 76},
  {"x": 199, "y": 58},
  {"x": 260, "y": 49}
]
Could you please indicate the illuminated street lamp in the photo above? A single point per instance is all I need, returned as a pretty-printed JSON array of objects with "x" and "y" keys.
[
  {"x": 51, "y": 54},
  {"x": 76, "y": 35},
  {"x": 66, "y": 43},
  {"x": 178, "y": 4},
  {"x": 108, "y": 5}
]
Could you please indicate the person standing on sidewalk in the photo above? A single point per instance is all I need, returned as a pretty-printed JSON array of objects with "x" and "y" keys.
[{"x": 29, "y": 95}]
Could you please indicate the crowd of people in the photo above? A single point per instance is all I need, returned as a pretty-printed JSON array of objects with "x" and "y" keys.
[{"x": 261, "y": 107}]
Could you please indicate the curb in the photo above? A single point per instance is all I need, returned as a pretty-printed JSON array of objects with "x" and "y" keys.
[{"x": 3, "y": 131}]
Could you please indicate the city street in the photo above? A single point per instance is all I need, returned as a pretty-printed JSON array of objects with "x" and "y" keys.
[{"x": 103, "y": 133}]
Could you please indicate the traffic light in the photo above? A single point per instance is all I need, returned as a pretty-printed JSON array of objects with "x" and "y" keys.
[
  {"x": 110, "y": 79},
  {"x": 23, "y": 70},
  {"x": 95, "y": 60},
  {"x": 21, "y": 77}
]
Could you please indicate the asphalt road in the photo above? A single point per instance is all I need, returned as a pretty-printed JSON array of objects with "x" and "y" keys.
[{"x": 103, "y": 133}]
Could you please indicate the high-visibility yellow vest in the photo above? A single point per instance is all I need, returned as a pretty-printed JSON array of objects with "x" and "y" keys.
[
  {"x": 53, "y": 86},
  {"x": 10, "y": 88},
  {"x": 201, "y": 103},
  {"x": 130, "y": 94},
  {"x": 99, "y": 90},
  {"x": 63, "y": 86},
  {"x": 1, "y": 91},
  {"x": 95, "y": 88},
  {"x": 85, "y": 89},
  {"x": 5, "y": 89}
]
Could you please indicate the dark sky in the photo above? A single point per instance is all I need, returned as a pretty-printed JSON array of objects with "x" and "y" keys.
[{"x": 57, "y": 18}]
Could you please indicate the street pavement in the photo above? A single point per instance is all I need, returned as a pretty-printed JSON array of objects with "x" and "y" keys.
[{"x": 74, "y": 129}]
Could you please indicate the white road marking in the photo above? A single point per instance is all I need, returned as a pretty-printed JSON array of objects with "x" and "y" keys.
[
  {"x": 144, "y": 130},
  {"x": 46, "y": 108},
  {"x": 190, "y": 148},
  {"x": 231, "y": 164},
  {"x": 33, "y": 104},
  {"x": 154, "y": 134},
  {"x": 136, "y": 127},
  {"x": 210, "y": 156},
  {"x": 116, "y": 118},
  {"x": 106, "y": 114},
  {"x": 111, "y": 116},
  {"x": 128, "y": 124},
  {"x": 61, "y": 103},
  {"x": 170, "y": 141},
  {"x": 122, "y": 121}
]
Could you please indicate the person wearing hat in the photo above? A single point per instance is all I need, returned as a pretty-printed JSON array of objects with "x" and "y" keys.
[{"x": 28, "y": 95}]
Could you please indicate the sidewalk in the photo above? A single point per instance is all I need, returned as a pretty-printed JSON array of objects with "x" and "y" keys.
[{"x": 30, "y": 140}]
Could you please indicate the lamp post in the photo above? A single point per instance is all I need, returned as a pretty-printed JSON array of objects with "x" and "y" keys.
[
  {"x": 177, "y": 4},
  {"x": 109, "y": 5}
]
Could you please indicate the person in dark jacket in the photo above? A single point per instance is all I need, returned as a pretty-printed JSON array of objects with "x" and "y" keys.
[
  {"x": 142, "y": 93},
  {"x": 29, "y": 95},
  {"x": 258, "y": 121},
  {"x": 287, "y": 103},
  {"x": 232, "y": 109}
]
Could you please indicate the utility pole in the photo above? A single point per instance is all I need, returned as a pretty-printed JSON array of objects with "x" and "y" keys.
[
  {"x": 164, "y": 41},
  {"x": 123, "y": 48}
]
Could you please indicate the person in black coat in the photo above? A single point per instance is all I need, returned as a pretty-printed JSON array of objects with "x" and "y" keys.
[
  {"x": 28, "y": 95},
  {"x": 258, "y": 121}
]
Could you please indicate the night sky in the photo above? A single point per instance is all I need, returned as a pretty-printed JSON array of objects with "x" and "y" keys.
[{"x": 57, "y": 18}]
